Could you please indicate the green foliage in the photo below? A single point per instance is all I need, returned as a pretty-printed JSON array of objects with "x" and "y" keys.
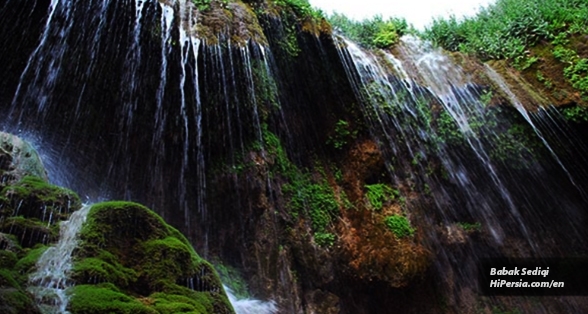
[
  {"x": 371, "y": 33},
  {"x": 322, "y": 205},
  {"x": 466, "y": 226},
  {"x": 317, "y": 200},
  {"x": 541, "y": 78},
  {"x": 343, "y": 134},
  {"x": 486, "y": 97},
  {"x": 324, "y": 239},
  {"x": 7, "y": 259},
  {"x": 386, "y": 36},
  {"x": 273, "y": 147},
  {"x": 577, "y": 74},
  {"x": 378, "y": 194},
  {"x": 448, "y": 130},
  {"x": 301, "y": 7},
  {"x": 202, "y": 5},
  {"x": 399, "y": 225},
  {"x": 507, "y": 28},
  {"x": 575, "y": 114}
]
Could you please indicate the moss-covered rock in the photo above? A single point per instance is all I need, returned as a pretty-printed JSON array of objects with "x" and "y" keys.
[
  {"x": 32, "y": 197},
  {"x": 18, "y": 159},
  {"x": 141, "y": 265},
  {"x": 105, "y": 298},
  {"x": 31, "y": 208},
  {"x": 13, "y": 297}
]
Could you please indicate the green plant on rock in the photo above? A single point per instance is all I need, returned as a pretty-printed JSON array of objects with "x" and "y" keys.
[
  {"x": 386, "y": 36},
  {"x": 466, "y": 226},
  {"x": 380, "y": 193},
  {"x": 507, "y": 28},
  {"x": 399, "y": 225},
  {"x": 343, "y": 134},
  {"x": 317, "y": 200},
  {"x": 301, "y": 7},
  {"x": 202, "y": 5},
  {"x": 231, "y": 277},
  {"x": 575, "y": 114},
  {"x": 447, "y": 129},
  {"x": 546, "y": 82},
  {"x": 324, "y": 239},
  {"x": 371, "y": 33}
]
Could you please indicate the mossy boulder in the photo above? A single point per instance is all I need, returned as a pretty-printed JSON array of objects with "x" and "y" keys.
[
  {"x": 14, "y": 299},
  {"x": 18, "y": 159},
  {"x": 133, "y": 262},
  {"x": 30, "y": 208}
]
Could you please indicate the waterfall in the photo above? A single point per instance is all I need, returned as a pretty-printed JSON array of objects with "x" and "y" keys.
[
  {"x": 50, "y": 281},
  {"x": 408, "y": 97},
  {"x": 169, "y": 106},
  {"x": 250, "y": 306}
]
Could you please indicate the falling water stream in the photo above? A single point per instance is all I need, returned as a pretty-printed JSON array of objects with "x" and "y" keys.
[
  {"x": 50, "y": 281},
  {"x": 250, "y": 306}
]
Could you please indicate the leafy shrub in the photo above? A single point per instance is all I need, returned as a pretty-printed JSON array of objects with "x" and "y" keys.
[
  {"x": 399, "y": 225},
  {"x": 378, "y": 194},
  {"x": 575, "y": 114},
  {"x": 342, "y": 135},
  {"x": 324, "y": 239},
  {"x": 506, "y": 29},
  {"x": 371, "y": 33}
]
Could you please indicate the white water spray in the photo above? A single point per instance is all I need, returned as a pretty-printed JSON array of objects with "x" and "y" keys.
[{"x": 250, "y": 306}]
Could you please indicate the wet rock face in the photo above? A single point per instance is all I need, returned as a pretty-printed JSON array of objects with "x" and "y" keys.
[
  {"x": 18, "y": 159},
  {"x": 29, "y": 206}
]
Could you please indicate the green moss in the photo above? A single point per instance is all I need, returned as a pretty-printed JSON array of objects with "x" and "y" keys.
[
  {"x": 173, "y": 303},
  {"x": 7, "y": 278},
  {"x": 16, "y": 301},
  {"x": 138, "y": 254},
  {"x": 104, "y": 268},
  {"x": 13, "y": 299},
  {"x": 7, "y": 259},
  {"x": 104, "y": 298},
  {"x": 32, "y": 197},
  {"x": 108, "y": 227},
  {"x": 30, "y": 231},
  {"x": 167, "y": 259},
  {"x": 27, "y": 263}
]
